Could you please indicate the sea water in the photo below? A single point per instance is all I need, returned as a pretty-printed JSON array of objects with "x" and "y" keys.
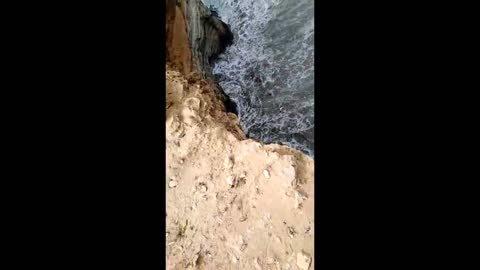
[{"x": 269, "y": 70}]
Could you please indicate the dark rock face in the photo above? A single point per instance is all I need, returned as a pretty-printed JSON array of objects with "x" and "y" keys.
[{"x": 208, "y": 37}]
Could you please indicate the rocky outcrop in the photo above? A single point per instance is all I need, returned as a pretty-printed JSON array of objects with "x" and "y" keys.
[{"x": 207, "y": 37}]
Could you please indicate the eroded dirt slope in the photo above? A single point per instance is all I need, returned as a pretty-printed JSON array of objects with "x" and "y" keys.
[{"x": 232, "y": 203}]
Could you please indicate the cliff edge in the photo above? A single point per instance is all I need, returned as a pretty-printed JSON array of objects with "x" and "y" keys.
[{"x": 232, "y": 203}]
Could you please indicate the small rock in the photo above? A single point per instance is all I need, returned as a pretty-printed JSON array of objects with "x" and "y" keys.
[
  {"x": 228, "y": 163},
  {"x": 270, "y": 260},
  {"x": 230, "y": 180},
  {"x": 202, "y": 187},
  {"x": 181, "y": 161},
  {"x": 303, "y": 260},
  {"x": 172, "y": 184},
  {"x": 266, "y": 173},
  {"x": 291, "y": 231},
  {"x": 222, "y": 208},
  {"x": 298, "y": 200}
]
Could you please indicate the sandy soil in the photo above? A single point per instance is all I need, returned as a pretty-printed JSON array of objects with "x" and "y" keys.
[{"x": 232, "y": 203}]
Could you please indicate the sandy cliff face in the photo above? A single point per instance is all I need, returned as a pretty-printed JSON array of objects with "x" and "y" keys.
[{"x": 232, "y": 203}]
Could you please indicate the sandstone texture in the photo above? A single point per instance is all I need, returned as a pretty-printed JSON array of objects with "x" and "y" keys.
[{"x": 232, "y": 203}]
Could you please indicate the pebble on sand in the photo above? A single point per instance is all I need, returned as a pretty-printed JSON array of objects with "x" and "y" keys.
[
  {"x": 228, "y": 163},
  {"x": 266, "y": 173},
  {"x": 172, "y": 184},
  {"x": 230, "y": 180},
  {"x": 202, "y": 188}
]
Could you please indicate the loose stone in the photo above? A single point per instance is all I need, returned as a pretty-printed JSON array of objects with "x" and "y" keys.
[
  {"x": 230, "y": 180},
  {"x": 172, "y": 184}
]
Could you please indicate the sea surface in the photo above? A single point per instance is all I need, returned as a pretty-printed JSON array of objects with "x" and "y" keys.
[{"x": 269, "y": 70}]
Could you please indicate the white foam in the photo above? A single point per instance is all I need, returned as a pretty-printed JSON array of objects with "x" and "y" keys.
[{"x": 274, "y": 43}]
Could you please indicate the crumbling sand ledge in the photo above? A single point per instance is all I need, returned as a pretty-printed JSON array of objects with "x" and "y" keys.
[{"x": 232, "y": 203}]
